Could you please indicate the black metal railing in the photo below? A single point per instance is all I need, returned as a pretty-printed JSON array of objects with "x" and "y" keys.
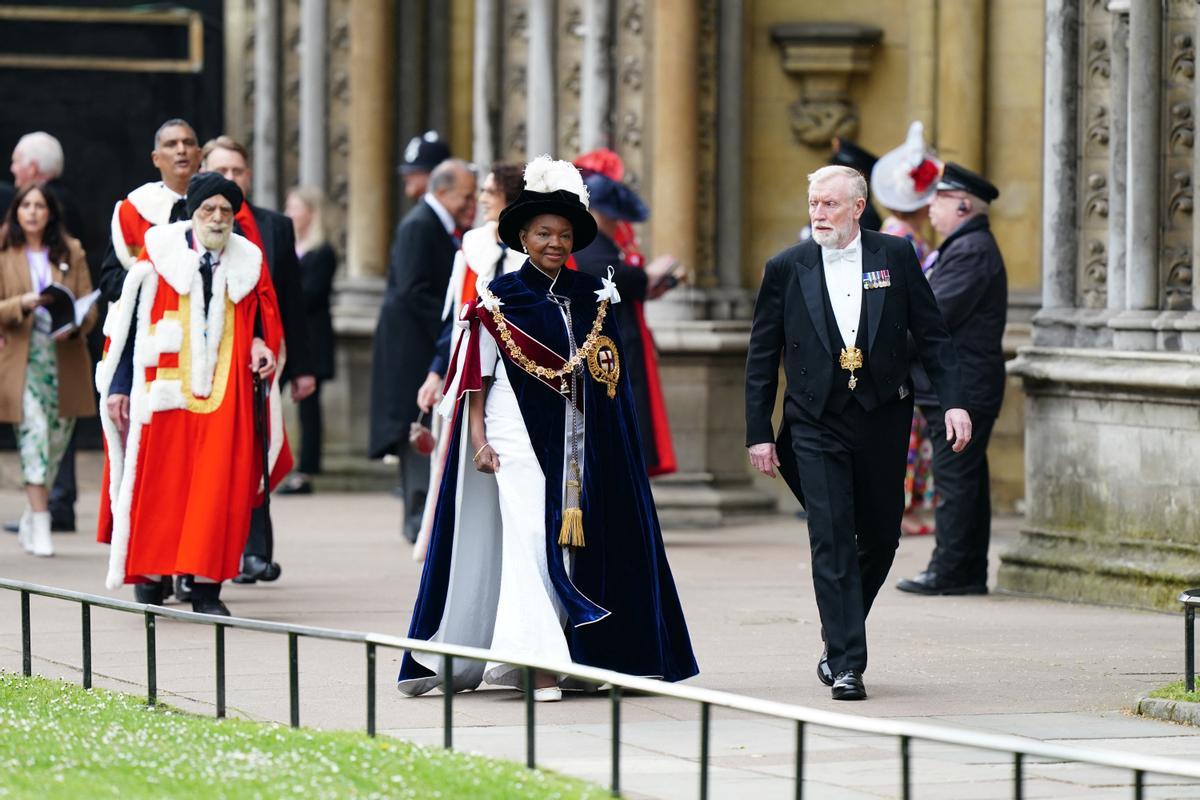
[
  {"x": 1018, "y": 748},
  {"x": 1190, "y": 600}
]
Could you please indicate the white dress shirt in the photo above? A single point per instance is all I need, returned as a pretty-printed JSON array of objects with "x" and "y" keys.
[{"x": 843, "y": 277}]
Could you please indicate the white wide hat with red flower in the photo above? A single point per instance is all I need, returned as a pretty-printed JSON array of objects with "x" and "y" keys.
[{"x": 905, "y": 179}]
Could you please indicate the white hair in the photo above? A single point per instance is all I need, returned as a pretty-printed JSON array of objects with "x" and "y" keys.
[
  {"x": 43, "y": 151},
  {"x": 857, "y": 183}
]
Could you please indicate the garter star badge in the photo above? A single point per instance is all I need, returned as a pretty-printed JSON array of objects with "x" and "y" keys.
[{"x": 605, "y": 364}]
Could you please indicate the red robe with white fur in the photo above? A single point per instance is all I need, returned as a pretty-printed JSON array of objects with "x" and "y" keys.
[{"x": 179, "y": 487}]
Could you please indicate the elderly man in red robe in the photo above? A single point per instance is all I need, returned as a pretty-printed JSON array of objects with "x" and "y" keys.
[{"x": 197, "y": 319}]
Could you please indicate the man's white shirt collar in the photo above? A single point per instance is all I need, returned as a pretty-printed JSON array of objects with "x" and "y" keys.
[
  {"x": 852, "y": 251},
  {"x": 442, "y": 213}
]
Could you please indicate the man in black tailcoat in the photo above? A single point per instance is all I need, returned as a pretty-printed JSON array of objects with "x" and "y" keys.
[
  {"x": 839, "y": 308},
  {"x": 971, "y": 287},
  {"x": 410, "y": 322}
]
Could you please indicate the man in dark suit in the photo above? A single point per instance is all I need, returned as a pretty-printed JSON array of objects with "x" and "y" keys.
[
  {"x": 840, "y": 307},
  {"x": 275, "y": 236},
  {"x": 971, "y": 287},
  {"x": 410, "y": 322}
]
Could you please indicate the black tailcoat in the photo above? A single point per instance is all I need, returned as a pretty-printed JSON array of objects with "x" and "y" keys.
[
  {"x": 406, "y": 337},
  {"x": 279, "y": 248},
  {"x": 842, "y": 451}
]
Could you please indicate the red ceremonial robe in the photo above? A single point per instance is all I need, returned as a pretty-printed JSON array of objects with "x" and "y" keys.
[
  {"x": 146, "y": 206},
  {"x": 179, "y": 487}
]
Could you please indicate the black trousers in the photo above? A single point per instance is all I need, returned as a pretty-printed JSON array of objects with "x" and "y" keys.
[
  {"x": 414, "y": 486},
  {"x": 310, "y": 433},
  {"x": 63, "y": 494},
  {"x": 257, "y": 543},
  {"x": 964, "y": 510},
  {"x": 851, "y": 465}
]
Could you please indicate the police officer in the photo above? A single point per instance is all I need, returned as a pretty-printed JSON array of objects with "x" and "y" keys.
[{"x": 971, "y": 287}]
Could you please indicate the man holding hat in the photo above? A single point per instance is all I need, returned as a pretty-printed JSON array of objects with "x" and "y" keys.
[
  {"x": 196, "y": 321},
  {"x": 969, "y": 281},
  {"x": 421, "y": 155}
]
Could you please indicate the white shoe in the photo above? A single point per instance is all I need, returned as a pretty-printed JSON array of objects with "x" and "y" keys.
[
  {"x": 25, "y": 530},
  {"x": 547, "y": 694},
  {"x": 40, "y": 540}
]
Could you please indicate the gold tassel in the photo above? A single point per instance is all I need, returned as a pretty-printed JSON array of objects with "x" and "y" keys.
[{"x": 571, "y": 534}]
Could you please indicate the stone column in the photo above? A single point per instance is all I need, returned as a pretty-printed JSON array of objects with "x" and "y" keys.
[
  {"x": 541, "y": 110},
  {"x": 673, "y": 107},
  {"x": 1132, "y": 329},
  {"x": 596, "y": 76},
  {"x": 1053, "y": 325},
  {"x": 1117, "y": 155},
  {"x": 314, "y": 138},
  {"x": 962, "y": 81},
  {"x": 266, "y": 103},
  {"x": 730, "y": 117},
  {"x": 486, "y": 70},
  {"x": 372, "y": 73}
]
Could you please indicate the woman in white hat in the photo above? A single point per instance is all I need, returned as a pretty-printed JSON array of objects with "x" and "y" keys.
[
  {"x": 545, "y": 544},
  {"x": 904, "y": 182}
]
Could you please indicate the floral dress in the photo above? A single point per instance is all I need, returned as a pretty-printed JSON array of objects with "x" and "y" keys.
[
  {"x": 918, "y": 476},
  {"x": 42, "y": 435}
]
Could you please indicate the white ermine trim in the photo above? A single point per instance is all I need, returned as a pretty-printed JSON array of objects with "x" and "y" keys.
[
  {"x": 207, "y": 345},
  {"x": 123, "y": 456},
  {"x": 167, "y": 247},
  {"x": 168, "y": 336},
  {"x": 153, "y": 201},
  {"x": 118, "y": 238},
  {"x": 120, "y": 318},
  {"x": 275, "y": 410},
  {"x": 166, "y": 395},
  {"x": 242, "y": 263}
]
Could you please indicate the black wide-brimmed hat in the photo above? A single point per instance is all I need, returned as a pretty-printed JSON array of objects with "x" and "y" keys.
[{"x": 551, "y": 187}]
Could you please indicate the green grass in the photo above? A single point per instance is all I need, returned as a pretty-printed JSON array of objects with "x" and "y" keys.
[
  {"x": 59, "y": 741},
  {"x": 1174, "y": 691}
]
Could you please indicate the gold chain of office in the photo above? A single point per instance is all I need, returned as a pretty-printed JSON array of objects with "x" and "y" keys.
[{"x": 526, "y": 363}]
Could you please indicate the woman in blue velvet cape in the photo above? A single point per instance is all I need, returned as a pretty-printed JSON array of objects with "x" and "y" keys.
[{"x": 615, "y": 593}]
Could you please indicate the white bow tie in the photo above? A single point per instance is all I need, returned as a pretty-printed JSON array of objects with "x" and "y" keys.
[{"x": 832, "y": 256}]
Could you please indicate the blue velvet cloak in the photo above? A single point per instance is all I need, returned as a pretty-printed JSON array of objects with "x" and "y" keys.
[{"x": 622, "y": 608}]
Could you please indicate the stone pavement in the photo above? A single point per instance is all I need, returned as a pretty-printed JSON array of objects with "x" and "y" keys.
[{"x": 1030, "y": 667}]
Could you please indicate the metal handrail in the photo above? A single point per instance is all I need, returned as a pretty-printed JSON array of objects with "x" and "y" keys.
[{"x": 1019, "y": 748}]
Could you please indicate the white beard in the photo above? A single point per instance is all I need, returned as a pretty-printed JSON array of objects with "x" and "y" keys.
[
  {"x": 833, "y": 239},
  {"x": 213, "y": 240}
]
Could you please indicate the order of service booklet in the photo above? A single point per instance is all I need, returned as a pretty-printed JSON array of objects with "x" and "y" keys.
[{"x": 66, "y": 312}]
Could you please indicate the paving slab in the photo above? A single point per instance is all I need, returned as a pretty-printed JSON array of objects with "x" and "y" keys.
[{"x": 1025, "y": 666}]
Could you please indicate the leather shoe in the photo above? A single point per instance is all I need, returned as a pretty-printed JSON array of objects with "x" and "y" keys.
[
  {"x": 256, "y": 568},
  {"x": 929, "y": 583},
  {"x": 295, "y": 484},
  {"x": 824, "y": 673},
  {"x": 849, "y": 686},
  {"x": 153, "y": 593},
  {"x": 215, "y": 607},
  {"x": 62, "y": 524},
  {"x": 12, "y": 527}
]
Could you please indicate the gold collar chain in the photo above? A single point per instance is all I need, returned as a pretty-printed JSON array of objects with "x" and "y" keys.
[{"x": 526, "y": 363}]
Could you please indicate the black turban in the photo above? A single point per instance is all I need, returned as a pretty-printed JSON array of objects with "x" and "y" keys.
[{"x": 204, "y": 185}]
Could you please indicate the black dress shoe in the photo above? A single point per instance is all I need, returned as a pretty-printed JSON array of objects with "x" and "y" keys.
[
  {"x": 256, "y": 568},
  {"x": 12, "y": 527},
  {"x": 824, "y": 673},
  {"x": 930, "y": 583},
  {"x": 849, "y": 686},
  {"x": 151, "y": 594},
  {"x": 62, "y": 524},
  {"x": 295, "y": 485},
  {"x": 206, "y": 599}
]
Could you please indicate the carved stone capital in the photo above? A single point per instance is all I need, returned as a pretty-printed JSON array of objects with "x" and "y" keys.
[{"x": 823, "y": 57}]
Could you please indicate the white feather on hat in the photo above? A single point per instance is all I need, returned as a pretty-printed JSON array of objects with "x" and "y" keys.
[
  {"x": 546, "y": 175},
  {"x": 901, "y": 180}
]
